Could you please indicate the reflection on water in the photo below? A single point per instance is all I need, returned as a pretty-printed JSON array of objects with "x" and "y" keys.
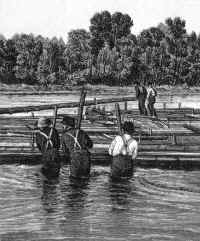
[
  {"x": 120, "y": 192},
  {"x": 49, "y": 195},
  {"x": 153, "y": 205}
]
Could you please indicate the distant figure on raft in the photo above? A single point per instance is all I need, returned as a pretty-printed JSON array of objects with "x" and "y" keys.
[
  {"x": 48, "y": 147},
  {"x": 151, "y": 100},
  {"x": 124, "y": 150},
  {"x": 141, "y": 95},
  {"x": 75, "y": 145}
]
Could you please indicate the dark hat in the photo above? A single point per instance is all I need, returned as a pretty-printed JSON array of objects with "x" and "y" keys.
[
  {"x": 128, "y": 126},
  {"x": 68, "y": 120}
]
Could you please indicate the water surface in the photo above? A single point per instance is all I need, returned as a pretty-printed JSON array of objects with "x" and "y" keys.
[{"x": 153, "y": 205}]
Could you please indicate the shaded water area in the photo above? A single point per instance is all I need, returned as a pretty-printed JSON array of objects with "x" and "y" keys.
[{"x": 153, "y": 205}]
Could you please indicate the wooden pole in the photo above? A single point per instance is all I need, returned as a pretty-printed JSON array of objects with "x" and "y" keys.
[
  {"x": 168, "y": 122},
  {"x": 80, "y": 112},
  {"x": 53, "y": 126},
  {"x": 125, "y": 106},
  {"x": 119, "y": 121},
  {"x": 80, "y": 108},
  {"x": 95, "y": 101},
  {"x": 33, "y": 141}
]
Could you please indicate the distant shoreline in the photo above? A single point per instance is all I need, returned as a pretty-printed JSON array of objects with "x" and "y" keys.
[{"x": 19, "y": 89}]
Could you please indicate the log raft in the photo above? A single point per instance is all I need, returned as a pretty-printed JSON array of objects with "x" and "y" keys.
[{"x": 163, "y": 146}]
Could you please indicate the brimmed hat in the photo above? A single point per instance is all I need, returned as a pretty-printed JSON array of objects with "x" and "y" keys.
[
  {"x": 68, "y": 120},
  {"x": 43, "y": 122}
]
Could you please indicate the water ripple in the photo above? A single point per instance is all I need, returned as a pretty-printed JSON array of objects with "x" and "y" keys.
[{"x": 153, "y": 205}]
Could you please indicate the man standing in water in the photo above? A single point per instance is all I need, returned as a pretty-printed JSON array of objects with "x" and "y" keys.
[
  {"x": 75, "y": 145},
  {"x": 48, "y": 147},
  {"x": 124, "y": 150},
  {"x": 141, "y": 95}
]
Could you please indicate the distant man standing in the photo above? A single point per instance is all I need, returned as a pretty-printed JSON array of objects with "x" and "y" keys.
[
  {"x": 151, "y": 99},
  {"x": 48, "y": 147},
  {"x": 141, "y": 95}
]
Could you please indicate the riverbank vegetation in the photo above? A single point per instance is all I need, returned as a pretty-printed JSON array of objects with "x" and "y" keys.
[{"x": 107, "y": 54}]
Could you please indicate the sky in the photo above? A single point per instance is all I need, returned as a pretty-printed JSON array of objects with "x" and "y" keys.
[{"x": 57, "y": 17}]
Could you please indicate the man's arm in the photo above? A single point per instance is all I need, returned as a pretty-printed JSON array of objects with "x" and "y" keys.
[
  {"x": 148, "y": 93},
  {"x": 135, "y": 152},
  {"x": 38, "y": 141},
  {"x": 155, "y": 91},
  {"x": 88, "y": 141},
  {"x": 136, "y": 92},
  {"x": 145, "y": 92},
  {"x": 111, "y": 147}
]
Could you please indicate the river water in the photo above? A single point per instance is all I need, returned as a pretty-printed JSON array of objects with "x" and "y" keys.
[{"x": 155, "y": 204}]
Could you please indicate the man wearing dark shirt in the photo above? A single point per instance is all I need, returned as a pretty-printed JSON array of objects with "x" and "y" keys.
[
  {"x": 48, "y": 147},
  {"x": 141, "y": 95},
  {"x": 75, "y": 146},
  {"x": 43, "y": 133}
]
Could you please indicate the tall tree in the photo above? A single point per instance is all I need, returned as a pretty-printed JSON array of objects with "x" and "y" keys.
[
  {"x": 151, "y": 37},
  {"x": 177, "y": 45},
  {"x": 51, "y": 63},
  {"x": 29, "y": 51},
  {"x": 8, "y": 57},
  {"x": 101, "y": 29},
  {"x": 77, "y": 51},
  {"x": 121, "y": 26},
  {"x": 108, "y": 28}
]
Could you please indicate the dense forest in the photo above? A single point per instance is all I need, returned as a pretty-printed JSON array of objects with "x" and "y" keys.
[{"x": 106, "y": 54}]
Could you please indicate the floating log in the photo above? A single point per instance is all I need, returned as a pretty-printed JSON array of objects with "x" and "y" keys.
[
  {"x": 36, "y": 92},
  {"x": 103, "y": 129},
  {"x": 193, "y": 116},
  {"x": 142, "y": 147},
  {"x": 21, "y": 109},
  {"x": 144, "y": 140},
  {"x": 193, "y": 128},
  {"x": 169, "y": 113},
  {"x": 186, "y": 110}
]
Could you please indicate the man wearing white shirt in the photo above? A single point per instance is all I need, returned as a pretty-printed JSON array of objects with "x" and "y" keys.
[
  {"x": 124, "y": 150},
  {"x": 151, "y": 99}
]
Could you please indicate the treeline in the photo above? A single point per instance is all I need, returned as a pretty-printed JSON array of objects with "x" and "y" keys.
[{"x": 108, "y": 54}]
